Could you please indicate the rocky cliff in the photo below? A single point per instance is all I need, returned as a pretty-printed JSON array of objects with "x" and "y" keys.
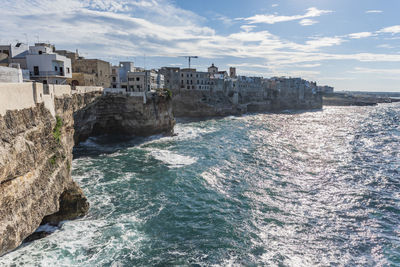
[
  {"x": 203, "y": 103},
  {"x": 36, "y": 154},
  {"x": 35, "y": 164},
  {"x": 196, "y": 103},
  {"x": 125, "y": 115}
]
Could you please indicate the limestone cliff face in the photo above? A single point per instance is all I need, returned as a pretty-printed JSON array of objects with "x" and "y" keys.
[
  {"x": 195, "y": 103},
  {"x": 125, "y": 115},
  {"x": 35, "y": 162}
]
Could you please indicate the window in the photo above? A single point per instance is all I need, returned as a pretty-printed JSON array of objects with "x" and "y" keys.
[
  {"x": 138, "y": 79},
  {"x": 114, "y": 79},
  {"x": 68, "y": 70},
  {"x": 40, "y": 52},
  {"x": 55, "y": 68}
]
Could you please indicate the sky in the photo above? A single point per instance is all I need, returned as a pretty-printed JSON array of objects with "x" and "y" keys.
[{"x": 348, "y": 44}]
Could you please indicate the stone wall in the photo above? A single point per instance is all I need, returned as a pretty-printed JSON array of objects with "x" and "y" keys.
[
  {"x": 16, "y": 96},
  {"x": 87, "y": 89}
]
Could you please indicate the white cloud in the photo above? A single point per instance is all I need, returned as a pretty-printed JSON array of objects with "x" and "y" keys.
[
  {"x": 274, "y": 5},
  {"x": 324, "y": 42},
  {"x": 307, "y": 22},
  {"x": 393, "y": 29},
  {"x": 158, "y": 28},
  {"x": 360, "y": 35},
  {"x": 373, "y": 11},
  {"x": 310, "y": 65},
  {"x": 272, "y": 19}
]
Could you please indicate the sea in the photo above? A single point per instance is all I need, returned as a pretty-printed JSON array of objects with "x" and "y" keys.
[{"x": 309, "y": 188}]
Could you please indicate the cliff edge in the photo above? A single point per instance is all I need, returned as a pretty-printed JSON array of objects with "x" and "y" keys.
[{"x": 35, "y": 169}]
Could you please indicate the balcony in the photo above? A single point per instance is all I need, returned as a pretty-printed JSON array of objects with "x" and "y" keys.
[{"x": 46, "y": 73}]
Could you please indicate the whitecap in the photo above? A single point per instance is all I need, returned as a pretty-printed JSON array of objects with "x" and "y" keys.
[{"x": 172, "y": 159}]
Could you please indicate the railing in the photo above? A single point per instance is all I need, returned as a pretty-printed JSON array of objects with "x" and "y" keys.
[{"x": 46, "y": 73}]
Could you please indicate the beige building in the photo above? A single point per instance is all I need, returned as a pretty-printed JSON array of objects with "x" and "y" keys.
[
  {"x": 212, "y": 69},
  {"x": 82, "y": 79},
  {"x": 99, "y": 68}
]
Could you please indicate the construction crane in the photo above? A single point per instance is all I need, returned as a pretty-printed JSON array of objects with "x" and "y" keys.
[{"x": 190, "y": 58}]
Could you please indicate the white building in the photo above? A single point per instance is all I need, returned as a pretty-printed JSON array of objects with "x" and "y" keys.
[
  {"x": 11, "y": 75},
  {"x": 46, "y": 66},
  {"x": 14, "y": 54},
  {"x": 124, "y": 68},
  {"x": 142, "y": 81}
]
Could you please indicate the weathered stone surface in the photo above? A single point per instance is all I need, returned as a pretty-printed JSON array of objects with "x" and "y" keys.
[
  {"x": 125, "y": 115},
  {"x": 73, "y": 204},
  {"x": 197, "y": 103},
  {"x": 35, "y": 179}
]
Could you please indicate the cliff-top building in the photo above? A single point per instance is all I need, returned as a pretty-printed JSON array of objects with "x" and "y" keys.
[
  {"x": 14, "y": 54},
  {"x": 143, "y": 81},
  {"x": 88, "y": 72},
  {"x": 46, "y": 66},
  {"x": 99, "y": 68}
]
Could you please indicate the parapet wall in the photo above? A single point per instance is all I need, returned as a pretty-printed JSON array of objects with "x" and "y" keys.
[
  {"x": 87, "y": 89},
  {"x": 17, "y": 96}
]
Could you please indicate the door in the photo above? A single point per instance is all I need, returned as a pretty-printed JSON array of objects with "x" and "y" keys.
[{"x": 36, "y": 70}]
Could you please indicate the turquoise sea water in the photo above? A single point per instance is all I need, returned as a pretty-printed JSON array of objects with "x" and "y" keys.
[{"x": 318, "y": 188}]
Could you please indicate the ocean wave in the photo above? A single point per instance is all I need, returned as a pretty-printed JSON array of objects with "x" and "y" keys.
[{"x": 173, "y": 160}]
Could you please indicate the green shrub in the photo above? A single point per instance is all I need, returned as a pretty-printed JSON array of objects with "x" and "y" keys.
[
  {"x": 169, "y": 93},
  {"x": 57, "y": 129},
  {"x": 53, "y": 160}
]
